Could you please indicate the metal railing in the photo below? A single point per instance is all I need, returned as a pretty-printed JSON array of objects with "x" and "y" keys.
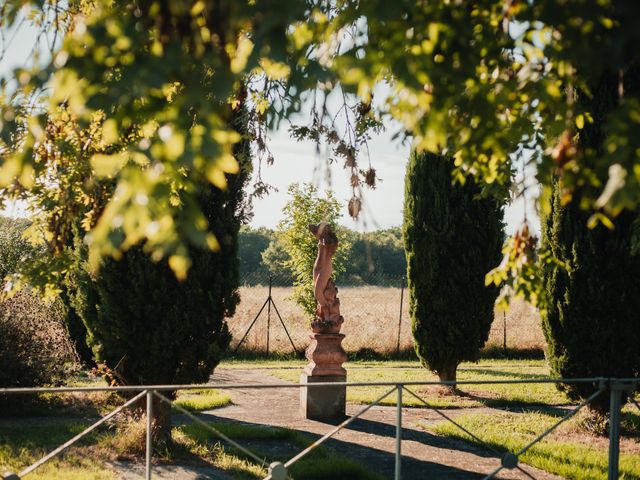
[{"x": 279, "y": 470}]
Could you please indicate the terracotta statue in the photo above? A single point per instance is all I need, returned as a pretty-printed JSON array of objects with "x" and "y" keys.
[
  {"x": 325, "y": 291},
  {"x": 325, "y": 352}
]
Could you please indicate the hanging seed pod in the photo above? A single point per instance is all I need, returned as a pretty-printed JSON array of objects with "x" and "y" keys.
[
  {"x": 355, "y": 205},
  {"x": 333, "y": 137},
  {"x": 370, "y": 177}
]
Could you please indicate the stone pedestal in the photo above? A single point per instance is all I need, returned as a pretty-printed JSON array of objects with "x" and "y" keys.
[
  {"x": 323, "y": 402},
  {"x": 325, "y": 355}
]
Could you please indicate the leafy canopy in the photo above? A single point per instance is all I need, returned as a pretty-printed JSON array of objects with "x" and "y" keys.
[{"x": 474, "y": 80}]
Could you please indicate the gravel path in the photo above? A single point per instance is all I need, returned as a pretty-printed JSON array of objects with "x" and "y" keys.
[{"x": 369, "y": 439}]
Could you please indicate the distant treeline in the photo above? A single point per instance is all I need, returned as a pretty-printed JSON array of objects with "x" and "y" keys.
[{"x": 375, "y": 258}]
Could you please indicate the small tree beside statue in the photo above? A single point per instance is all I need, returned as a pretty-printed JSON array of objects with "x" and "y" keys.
[{"x": 305, "y": 207}]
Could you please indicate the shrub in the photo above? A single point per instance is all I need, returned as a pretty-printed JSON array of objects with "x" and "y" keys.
[
  {"x": 35, "y": 349},
  {"x": 13, "y": 247},
  {"x": 591, "y": 323},
  {"x": 148, "y": 327},
  {"x": 452, "y": 239},
  {"x": 16, "y": 250}
]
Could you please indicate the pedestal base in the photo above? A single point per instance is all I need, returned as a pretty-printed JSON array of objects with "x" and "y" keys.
[
  {"x": 326, "y": 355},
  {"x": 323, "y": 402}
]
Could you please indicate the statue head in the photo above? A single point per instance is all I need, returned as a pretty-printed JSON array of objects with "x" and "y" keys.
[{"x": 322, "y": 231}]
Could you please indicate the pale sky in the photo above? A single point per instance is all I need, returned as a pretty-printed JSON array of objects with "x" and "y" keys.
[{"x": 299, "y": 162}]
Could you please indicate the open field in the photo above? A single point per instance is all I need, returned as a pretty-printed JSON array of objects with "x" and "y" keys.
[{"x": 372, "y": 318}]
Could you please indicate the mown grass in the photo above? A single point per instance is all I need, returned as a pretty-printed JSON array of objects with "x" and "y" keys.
[
  {"x": 321, "y": 463},
  {"x": 202, "y": 399},
  {"x": 23, "y": 445},
  {"x": 570, "y": 455},
  {"x": 469, "y": 395}
]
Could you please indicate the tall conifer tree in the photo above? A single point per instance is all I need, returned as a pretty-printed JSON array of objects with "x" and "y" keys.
[
  {"x": 147, "y": 326},
  {"x": 453, "y": 237},
  {"x": 592, "y": 323}
]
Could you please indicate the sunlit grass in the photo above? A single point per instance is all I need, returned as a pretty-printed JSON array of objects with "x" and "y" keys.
[
  {"x": 22, "y": 446},
  {"x": 202, "y": 399},
  {"x": 571, "y": 457},
  {"x": 321, "y": 463},
  {"x": 470, "y": 395}
]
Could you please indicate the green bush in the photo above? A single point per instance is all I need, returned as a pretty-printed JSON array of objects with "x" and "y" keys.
[
  {"x": 15, "y": 250},
  {"x": 13, "y": 247},
  {"x": 144, "y": 325},
  {"x": 452, "y": 238},
  {"x": 148, "y": 327},
  {"x": 591, "y": 323}
]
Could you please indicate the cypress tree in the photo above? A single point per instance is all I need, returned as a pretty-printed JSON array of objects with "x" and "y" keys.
[
  {"x": 592, "y": 324},
  {"x": 147, "y": 327},
  {"x": 452, "y": 237}
]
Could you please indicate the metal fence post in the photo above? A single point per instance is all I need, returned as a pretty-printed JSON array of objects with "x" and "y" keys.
[
  {"x": 398, "y": 433},
  {"x": 149, "y": 435},
  {"x": 614, "y": 431}
]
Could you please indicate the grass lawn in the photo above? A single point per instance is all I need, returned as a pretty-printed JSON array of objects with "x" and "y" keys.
[
  {"x": 204, "y": 399},
  {"x": 321, "y": 463},
  {"x": 23, "y": 445},
  {"x": 568, "y": 452},
  {"x": 408, "y": 371}
]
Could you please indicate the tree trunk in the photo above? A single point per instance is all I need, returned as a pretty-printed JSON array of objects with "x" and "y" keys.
[
  {"x": 595, "y": 419},
  {"x": 161, "y": 421},
  {"x": 448, "y": 373}
]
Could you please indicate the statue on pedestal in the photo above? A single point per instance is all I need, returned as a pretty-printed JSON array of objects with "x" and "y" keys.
[{"x": 325, "y": 353}]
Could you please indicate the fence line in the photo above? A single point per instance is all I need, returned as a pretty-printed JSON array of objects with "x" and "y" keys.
[
  {"x": 376, "y": 318},
  {"x": 278, "y": 470}
]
